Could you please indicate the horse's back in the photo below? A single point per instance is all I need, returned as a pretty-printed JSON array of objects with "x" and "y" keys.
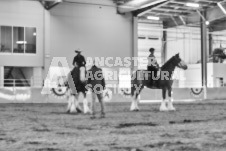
[{"x": 143, "y": 77}]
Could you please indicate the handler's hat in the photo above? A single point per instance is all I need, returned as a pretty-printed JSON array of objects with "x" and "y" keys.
[
  {"x": 151, "y": 49},
  {"x": 78, "y": 51}
]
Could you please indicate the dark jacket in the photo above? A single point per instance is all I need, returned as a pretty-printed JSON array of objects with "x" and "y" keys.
[
  {"x": 152, "y": 60},
  {"x": 80, "y": 60},
  {"x": 95, "y": 79}
]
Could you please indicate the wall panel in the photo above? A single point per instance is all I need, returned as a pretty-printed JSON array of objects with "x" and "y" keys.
[{"x": 97, "y": 30}]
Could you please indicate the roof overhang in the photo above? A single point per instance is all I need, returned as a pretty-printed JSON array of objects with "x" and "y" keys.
[{"x": 48, "y": 4}]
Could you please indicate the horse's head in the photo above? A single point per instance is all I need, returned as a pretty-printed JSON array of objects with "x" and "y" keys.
[{"x": 179, "y": 62}]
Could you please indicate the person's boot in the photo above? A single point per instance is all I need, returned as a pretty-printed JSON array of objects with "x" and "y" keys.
[
  {"x": 102, "y": 115},
  {"x": 92, "y": 116}
]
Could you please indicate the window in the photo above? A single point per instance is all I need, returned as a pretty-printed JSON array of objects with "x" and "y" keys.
[
  {"x": 18, "y": 39},
  {"x": 30, "y": 38},
  {"x": 5, "y": 39}
]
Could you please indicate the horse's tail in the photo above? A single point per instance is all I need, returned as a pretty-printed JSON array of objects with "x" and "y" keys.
[{"x": 137, "y": 82}]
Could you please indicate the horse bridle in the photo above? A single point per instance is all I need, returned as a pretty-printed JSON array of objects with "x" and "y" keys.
[{"x": 178, "y": 63}]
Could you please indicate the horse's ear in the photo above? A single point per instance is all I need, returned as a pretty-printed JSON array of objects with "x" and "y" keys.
[{"x": 177, "y": 55}]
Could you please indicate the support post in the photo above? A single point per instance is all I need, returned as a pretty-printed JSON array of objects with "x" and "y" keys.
[
  {"x": 164, "y": 46},
  {"x": 46, "y": 41},
  {"x": 135, "y": 43},
  {"x": 204, "y": 53},
  {"x": 210, "y": 44}
]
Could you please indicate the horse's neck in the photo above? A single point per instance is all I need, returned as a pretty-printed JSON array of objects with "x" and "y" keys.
[{"x": 169, "y": 68}]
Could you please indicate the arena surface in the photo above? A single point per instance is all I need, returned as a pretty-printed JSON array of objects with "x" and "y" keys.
[{"x": 46, "y": 127}]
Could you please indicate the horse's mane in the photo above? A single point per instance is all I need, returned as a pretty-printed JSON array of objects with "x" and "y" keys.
[
  {"x": 74, "y": 78},
  {"x": 167, "y": 63}
]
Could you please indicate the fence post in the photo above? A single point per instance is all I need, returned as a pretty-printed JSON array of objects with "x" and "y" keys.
[{"x": 14, "y": 85}]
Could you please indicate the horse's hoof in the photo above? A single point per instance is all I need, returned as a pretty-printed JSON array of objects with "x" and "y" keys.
[
  {"x": 88, "y": 112},
  {"x": 78, "y": 110},
  {"x": 172, "y": 109},
  {"x": 72, "y": 111},
  {"x": 135, "y": 110},
  {"x": 163, "y": 109},
  {"x": 102, "y": 115}
]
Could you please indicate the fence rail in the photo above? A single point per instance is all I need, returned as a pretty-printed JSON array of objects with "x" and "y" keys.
[{"x": 33, "y": 82}]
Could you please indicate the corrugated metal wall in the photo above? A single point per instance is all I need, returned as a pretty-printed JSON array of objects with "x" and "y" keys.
[{"x": 149, "y": 36}]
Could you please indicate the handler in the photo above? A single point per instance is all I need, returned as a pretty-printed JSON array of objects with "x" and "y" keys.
[{"x": 96, "y": 83}]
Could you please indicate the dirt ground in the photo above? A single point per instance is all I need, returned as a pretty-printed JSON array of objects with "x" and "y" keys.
[{"x": 46, "y": 127}]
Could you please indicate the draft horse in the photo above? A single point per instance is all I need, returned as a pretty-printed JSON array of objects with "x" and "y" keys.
[
  {"x": 164, "y": 81},
  {"x": 76, "y": 82}
]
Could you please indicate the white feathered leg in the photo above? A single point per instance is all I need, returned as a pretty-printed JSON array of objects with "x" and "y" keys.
[
  {"x": 69, "y": 104},
  {"x": 170, "y": 105},
  {"x": 86, "y": 107},
  {"x": 133, "y": 107},
  {"x": 163, "y": 106},
  {"x": 68, "y": 95},
  {"x": 78, "y": 107},
  {"x": 136, "y": 103},
  {"x": 73, "y": 106}
]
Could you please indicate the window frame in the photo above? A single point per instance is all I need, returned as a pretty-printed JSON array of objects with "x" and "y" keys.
[{"x": 12, "y": 42}]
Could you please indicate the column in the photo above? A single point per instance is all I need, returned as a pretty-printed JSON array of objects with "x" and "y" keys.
[
  {"x": 164, "y": 46},
  {"x": 135, "y": 41},
  {"x": 204, "y": 52}
]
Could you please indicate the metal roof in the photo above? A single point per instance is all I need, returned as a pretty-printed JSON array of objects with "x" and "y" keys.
[
  {"x": 177, "y": 12},
  {"x": 171, "y": 12}
]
